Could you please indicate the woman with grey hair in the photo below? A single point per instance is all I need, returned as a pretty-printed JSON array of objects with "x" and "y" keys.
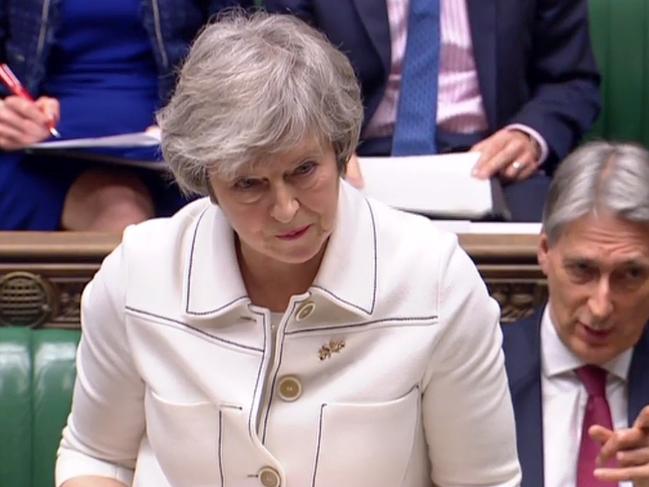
[{"x": 285, "y": 331}]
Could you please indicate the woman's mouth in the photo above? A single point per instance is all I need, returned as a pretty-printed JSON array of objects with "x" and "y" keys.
[{"x": 294, "y": 234}]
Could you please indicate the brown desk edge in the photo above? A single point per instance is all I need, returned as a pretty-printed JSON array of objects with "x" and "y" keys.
[{"x": 42, "y": 274}]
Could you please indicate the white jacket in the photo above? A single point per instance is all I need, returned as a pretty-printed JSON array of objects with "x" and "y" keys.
[{"x": 388, "y": 372}]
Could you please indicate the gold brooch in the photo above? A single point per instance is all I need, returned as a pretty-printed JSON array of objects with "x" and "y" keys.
[{"x": 334, "y": 346}]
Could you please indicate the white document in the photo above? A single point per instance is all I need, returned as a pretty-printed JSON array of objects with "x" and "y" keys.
[
  {"x": 439, "y": 185},
  {"x": 149, "y": 138}
]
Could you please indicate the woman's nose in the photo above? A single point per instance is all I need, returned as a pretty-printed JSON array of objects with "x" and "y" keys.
[{"x": 285, "y": 205}]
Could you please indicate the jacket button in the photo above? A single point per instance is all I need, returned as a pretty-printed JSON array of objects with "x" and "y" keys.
[
  {"x": 269, "y": 477},
  {"x": 289, "y": 388},
  {"x": 305, "y": 311}
]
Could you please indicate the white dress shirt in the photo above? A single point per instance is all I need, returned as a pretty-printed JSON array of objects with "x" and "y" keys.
[
  {"x": 564, "y": 403},
  {"x": 387, "y": 372}
]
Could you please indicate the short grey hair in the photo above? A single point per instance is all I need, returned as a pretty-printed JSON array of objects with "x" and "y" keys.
[
  {"x": 252, "y": 85},
  {"x": 598, "y": 176}
]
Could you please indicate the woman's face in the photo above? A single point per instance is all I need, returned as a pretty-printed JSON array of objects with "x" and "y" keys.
[{"x": 283, "y": 208}]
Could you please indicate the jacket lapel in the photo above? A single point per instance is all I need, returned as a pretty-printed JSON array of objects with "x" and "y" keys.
[
  {"x": 353, "y": 247},
  {"x": 483, "y": 21},
  {"x": 639, "y": 377},
  {"x": 523, "y": 359},
  {"x": 212, "y": 285},
  {"x": 374, "y": 17}
]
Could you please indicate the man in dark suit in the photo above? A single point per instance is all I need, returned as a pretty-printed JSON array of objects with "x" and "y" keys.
[
  {"x": 579, "y": 367},
  {"x": 517, "y": 81}
]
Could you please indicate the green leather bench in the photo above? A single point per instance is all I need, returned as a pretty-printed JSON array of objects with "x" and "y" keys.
[
  {"x": 620, "y": 37},
  {"x": 36, "y": 379}
]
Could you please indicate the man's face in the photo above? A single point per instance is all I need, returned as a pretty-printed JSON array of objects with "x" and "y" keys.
[{"x": 598, "y": 278}]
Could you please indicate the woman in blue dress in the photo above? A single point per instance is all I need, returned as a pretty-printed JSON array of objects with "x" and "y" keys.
[{"x": 95, "y": 69}]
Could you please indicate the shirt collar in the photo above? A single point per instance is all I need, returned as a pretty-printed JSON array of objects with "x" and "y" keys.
[
  {"x": 213, "y": 286},
  {"x": 558, "y": 359}
]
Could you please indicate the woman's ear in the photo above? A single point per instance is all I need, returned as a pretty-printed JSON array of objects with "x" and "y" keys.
[{"x": 210, "y": 191}]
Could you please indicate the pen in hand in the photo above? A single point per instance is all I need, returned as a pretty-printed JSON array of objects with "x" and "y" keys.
[{"x": 14, "y": 85}]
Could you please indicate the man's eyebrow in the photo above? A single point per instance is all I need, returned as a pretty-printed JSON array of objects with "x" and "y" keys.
[
  {"x": 636, "y": 261},
  {"x": 575, "y": 259},
  {"x": 642, "y": 262}
]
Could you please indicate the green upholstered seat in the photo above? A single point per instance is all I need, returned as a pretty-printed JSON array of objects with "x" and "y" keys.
[
  {"x": 37, "y": 374},
  {"x": 620, "y": 37}
]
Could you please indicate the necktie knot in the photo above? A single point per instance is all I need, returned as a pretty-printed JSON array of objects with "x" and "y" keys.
[{"x": 594, "y": 380}]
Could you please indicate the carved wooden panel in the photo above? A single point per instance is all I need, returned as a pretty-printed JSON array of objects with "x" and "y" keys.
[{"x": 42, "y": 275}]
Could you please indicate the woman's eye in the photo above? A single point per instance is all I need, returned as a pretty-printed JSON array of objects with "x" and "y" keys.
[
  {"x": 244, "y": 184},
  {"x": 305, "y": 168}
]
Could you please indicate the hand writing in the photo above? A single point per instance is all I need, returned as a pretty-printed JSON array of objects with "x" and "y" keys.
[{"x": 24, "y": 122}]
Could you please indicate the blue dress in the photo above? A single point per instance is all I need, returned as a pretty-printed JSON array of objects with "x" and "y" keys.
[{"x": 102, "y": 71}]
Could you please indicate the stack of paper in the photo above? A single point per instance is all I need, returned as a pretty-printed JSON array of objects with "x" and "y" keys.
[
  {"x": 136, "y": 139},
  {"x": 138, "y": 149},
  {"x": 438, "y": 186}
]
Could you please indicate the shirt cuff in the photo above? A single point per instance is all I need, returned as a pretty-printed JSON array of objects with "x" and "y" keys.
[
  {"x": 536, "y": 136},
  {"x": 71, "y": 464}
]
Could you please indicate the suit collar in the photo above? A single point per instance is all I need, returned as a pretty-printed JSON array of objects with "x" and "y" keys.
[
  {"x": 483, "y": 23},
  {"x": 527, "y": 352},
  {"x": 523, "y": 359},
  {"x": 638, "y": 381},
  {"x": 348, "y": 273},
  {"x": 213, "y": 286}
]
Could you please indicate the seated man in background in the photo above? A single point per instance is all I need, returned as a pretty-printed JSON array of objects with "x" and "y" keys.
[
  {"x": 579, "y": 368},
  {"x": 513, "y": 79}
]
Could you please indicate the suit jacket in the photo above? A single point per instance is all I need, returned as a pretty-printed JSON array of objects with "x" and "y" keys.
[
  {"x": 522, "y": 346},
  {"x": 533, "y": 57}
]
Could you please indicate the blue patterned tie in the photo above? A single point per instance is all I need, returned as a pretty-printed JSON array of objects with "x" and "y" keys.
[{"x": 414, "y": 132}]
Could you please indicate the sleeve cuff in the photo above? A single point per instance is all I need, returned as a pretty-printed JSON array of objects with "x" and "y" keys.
[
  {"x": 536, "y": 136},
  {"x": 71, "y": 464}
]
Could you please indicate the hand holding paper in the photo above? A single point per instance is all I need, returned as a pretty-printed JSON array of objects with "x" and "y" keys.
[{"x": 509, "y": 153}]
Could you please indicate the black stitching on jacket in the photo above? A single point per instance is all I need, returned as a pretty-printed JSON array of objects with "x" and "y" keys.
[
  {"x": 418, "y": 321},
  {"x": 193, "y": 328},
  {"x": 317, "y": 451}
]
